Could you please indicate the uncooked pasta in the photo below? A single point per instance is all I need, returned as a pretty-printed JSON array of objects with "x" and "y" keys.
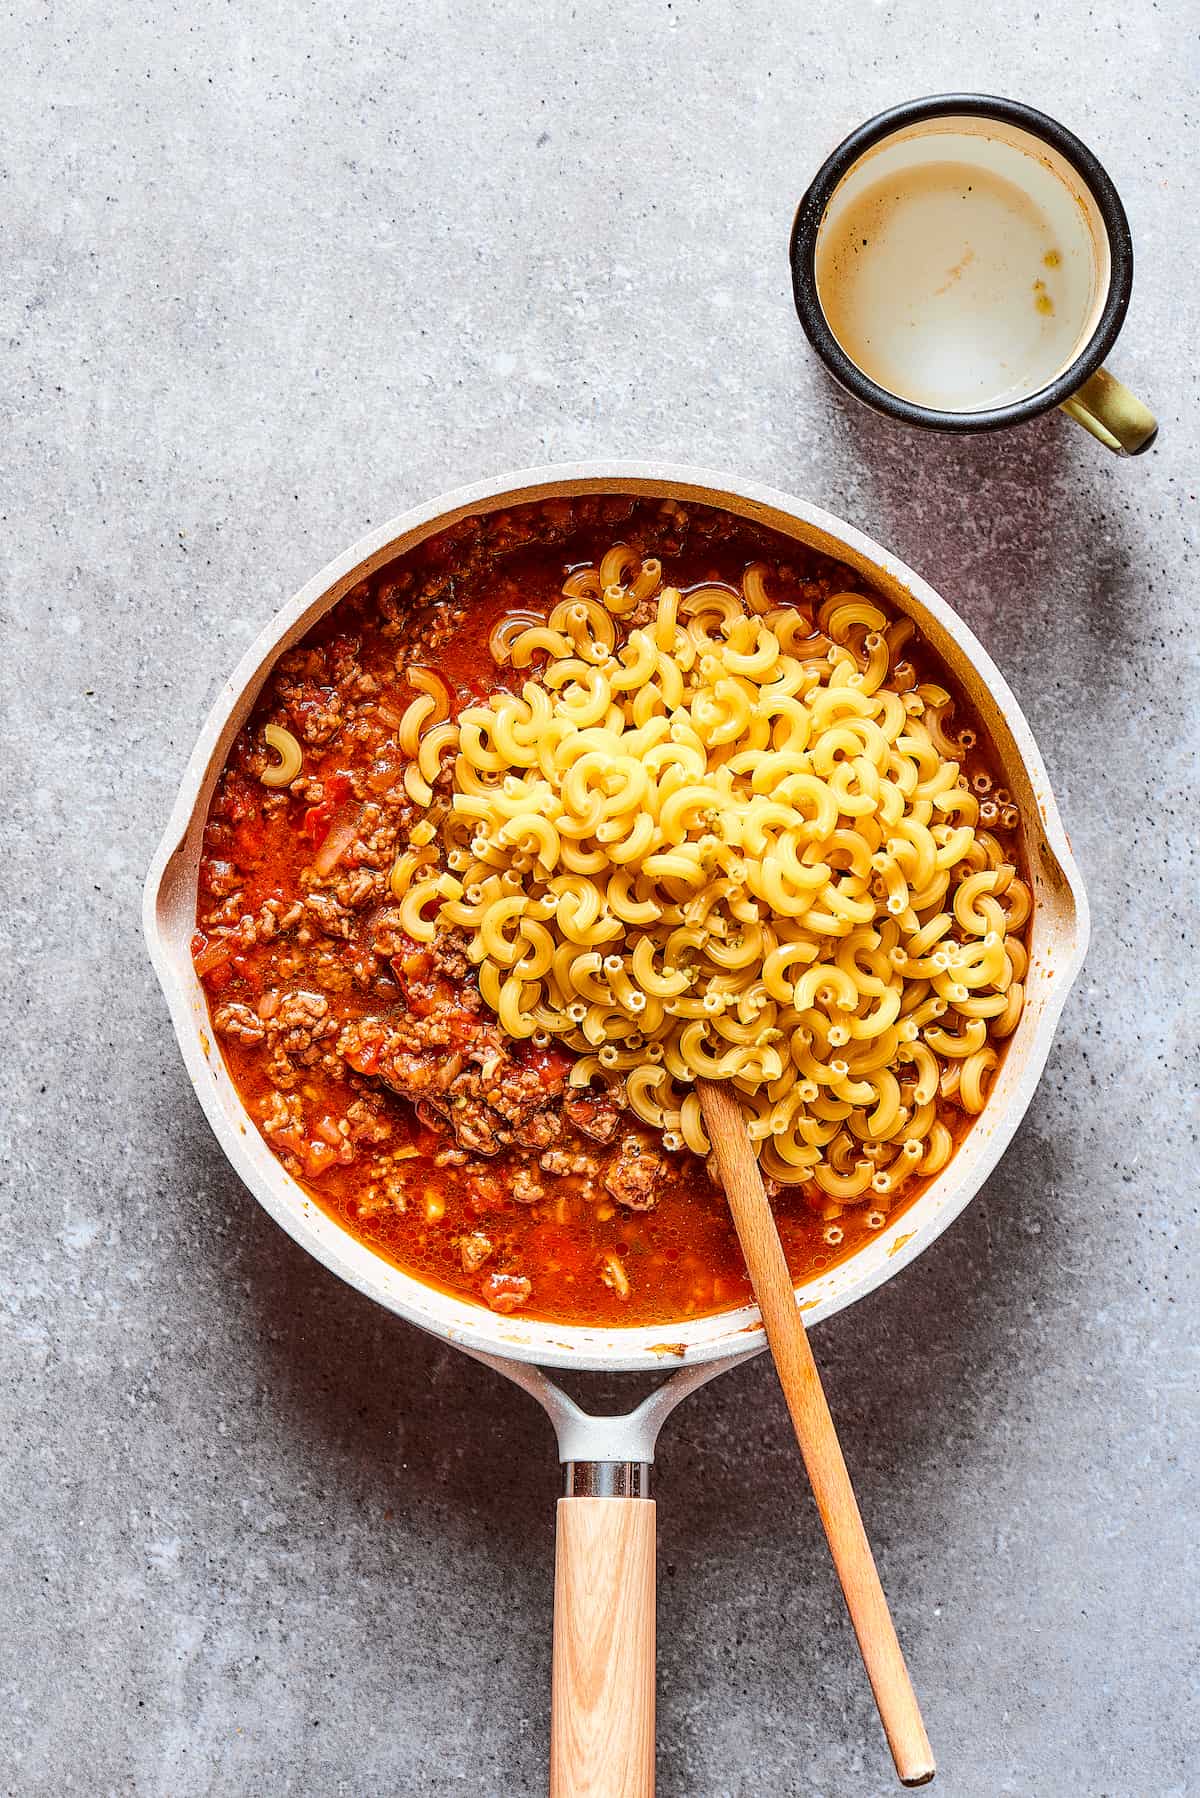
[{"x": 698, "y": 833}]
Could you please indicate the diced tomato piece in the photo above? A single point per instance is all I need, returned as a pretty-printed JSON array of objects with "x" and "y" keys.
[
  {"x": 364, "y": 1060},
  {"x": 317, "y": 820},
  {"x": 338, "y": 786},
  {"x": 318, "y": 1156},
  {"x": 507, "y": 1292},
  {"x": 208, "y": 957},
  {"x": 463, "y": 1028},
  {"x": 247, "y": 967},
  {"x": 411, "y": 968},
  {"x": 550, "y": 1064},
  {"x": 486, "y": 1194},
  {"x": 411, "y": 960},
  {"x": 383, "y": 775}
]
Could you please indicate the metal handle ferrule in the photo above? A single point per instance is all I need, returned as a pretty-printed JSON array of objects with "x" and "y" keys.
[{"x": 606, "y": 1479}]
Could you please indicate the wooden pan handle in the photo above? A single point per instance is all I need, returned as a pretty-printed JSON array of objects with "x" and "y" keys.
[{"x": 602, "y": 1711}]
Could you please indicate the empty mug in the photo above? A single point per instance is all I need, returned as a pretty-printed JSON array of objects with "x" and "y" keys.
[{"x": 963, "y": 263}]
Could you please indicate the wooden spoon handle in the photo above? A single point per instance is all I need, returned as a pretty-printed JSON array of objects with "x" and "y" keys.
[
  {"x": 815, "y": 1432},
  {"x": 602, "y": 1710}
]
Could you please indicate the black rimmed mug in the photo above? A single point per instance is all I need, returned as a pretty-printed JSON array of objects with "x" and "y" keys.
[{"x": 963, "y": 263}]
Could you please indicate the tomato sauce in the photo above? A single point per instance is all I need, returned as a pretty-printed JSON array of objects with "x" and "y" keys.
[{"x": 312, "y": 990}]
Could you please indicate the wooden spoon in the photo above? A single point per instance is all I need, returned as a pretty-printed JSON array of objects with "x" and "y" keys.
[{"x": 815, "y": 1432}]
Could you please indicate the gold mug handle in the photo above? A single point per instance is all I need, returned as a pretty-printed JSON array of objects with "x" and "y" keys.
[{"x": 1115, "y": 417}]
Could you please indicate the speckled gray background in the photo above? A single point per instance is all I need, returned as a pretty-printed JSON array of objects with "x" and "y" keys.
[{"x": 271, "y": 274}]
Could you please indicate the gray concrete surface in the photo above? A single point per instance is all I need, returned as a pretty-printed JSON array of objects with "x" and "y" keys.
[{"x": 271, "y": 274}]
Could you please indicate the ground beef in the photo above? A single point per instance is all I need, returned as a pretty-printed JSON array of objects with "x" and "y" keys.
[
  {"x": 306, "y": 662},
  {"x": 566, "y": 1161},
  {"x": 315, "y": 712},
  {"x": 379, "y": 832},
  {"x": 368, "y": 1121},
  {"x": 332, "y": 914},
  {"x": 449, "y": 954},
  {"x": 475, "y": 1126},
  {"x": 295, "y": 1025},
  {"x": 507, "y": 1292},
  {"x": 456, "y": 1069},
  {"x": 474, "y": 1250},
  {"x": 393, "y": 596},
  {"x": 304, "y": 1016},
  {"x": 282, "y": 1112},
  {"x": 277, "y": 916},
  {"x": 596, "y": 1114},
  {"x": 356, "y": 889},
  {"x": 540, "y": 1130},
  {"x": 633, "y": 1174},
  {"x": 526, "y": 1188},
  {"x": 241, "y": 1022},
  {"x": 388, "y": 936},
  {"x": 222, "y": 878},
  {"x": 303, "y": 1034}
]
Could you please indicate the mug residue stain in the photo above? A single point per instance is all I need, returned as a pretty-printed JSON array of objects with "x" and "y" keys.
[{"x": 956, "y": 273}]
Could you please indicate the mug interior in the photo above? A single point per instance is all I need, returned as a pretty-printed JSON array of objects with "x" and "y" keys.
[{"x": 1003, "y": 314}]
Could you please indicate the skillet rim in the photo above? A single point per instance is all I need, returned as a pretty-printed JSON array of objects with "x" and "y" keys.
[{"x": 1061, "y": 901}]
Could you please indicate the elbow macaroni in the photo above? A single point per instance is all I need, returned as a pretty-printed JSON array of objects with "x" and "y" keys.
[{"x": 721, "y": 844}]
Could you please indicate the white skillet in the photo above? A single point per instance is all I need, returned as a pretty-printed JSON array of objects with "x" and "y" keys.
[{"x": 603, "y": 1711}]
